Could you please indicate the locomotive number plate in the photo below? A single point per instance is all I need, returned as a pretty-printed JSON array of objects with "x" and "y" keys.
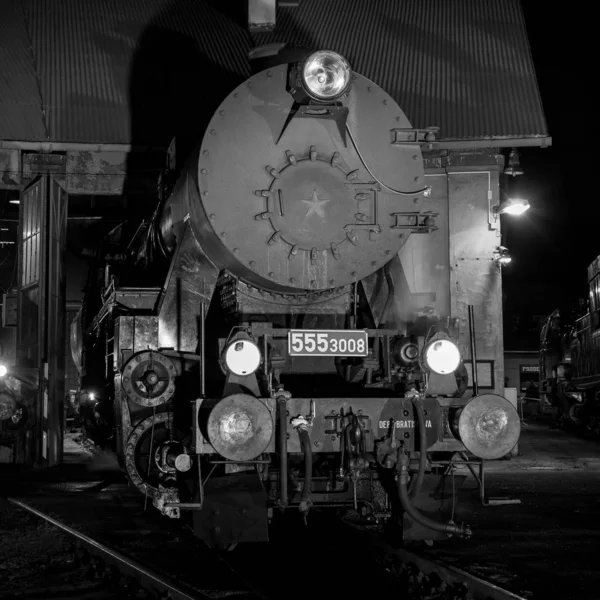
[{"x": 328, "y": 342}]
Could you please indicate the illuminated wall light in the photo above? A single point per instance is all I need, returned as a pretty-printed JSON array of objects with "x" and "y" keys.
[
  {"x": 14, "y": 202},
  {"x": 502, "y": 256},
  {"x": 512, "y": 206}
]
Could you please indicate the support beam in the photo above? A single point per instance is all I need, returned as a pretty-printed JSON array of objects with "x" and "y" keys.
[{"x": 82, "y": 172}]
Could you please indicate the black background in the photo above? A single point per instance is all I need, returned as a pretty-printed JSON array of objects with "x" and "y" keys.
[{"x": 555, "y": 241}]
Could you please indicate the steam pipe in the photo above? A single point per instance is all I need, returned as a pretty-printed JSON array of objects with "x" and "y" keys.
[
  {"x": 283, "y": 453},
  {"x": 306, "y": 448},
  {"x": 390, "y": 297},
  {"x": 473, "y": 353},
  {"x": 417, "y": 482},
  {"x": 414, "y": 513}
]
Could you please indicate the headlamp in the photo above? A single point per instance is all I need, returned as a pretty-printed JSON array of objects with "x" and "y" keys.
[
  {"x": 441, "y": 354},
  {"x": 242, "y": 356},
  {"x": 326, "y": 75},
  {"x": 3, "y": 370}
]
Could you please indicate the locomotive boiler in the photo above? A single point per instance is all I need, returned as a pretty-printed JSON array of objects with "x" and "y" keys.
[{"x": 243, "y": 351}]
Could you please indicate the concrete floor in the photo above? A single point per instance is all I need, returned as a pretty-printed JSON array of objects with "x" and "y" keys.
[
  {"x": 542, "y": 448},
  {"x": 546, "y": 546}
]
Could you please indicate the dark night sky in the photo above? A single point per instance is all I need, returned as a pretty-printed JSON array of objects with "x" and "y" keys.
[{"x": 554, "y": 242}]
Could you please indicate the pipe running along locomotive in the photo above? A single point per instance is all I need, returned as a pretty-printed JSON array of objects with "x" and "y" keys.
[{"x": 242, "y": 353}]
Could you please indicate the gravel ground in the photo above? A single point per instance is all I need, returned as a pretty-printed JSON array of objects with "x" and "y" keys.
[
  {"x": 38, "y": 562},
  {"x": 544, "y": 547},
  {"x": 325, "y": 559},
  {"x": 32, "y": 552}
]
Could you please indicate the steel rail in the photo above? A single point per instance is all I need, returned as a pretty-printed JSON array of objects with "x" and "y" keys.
[
  {"x": 480, "y": 589},
  {"x": 159, "y": 585}
]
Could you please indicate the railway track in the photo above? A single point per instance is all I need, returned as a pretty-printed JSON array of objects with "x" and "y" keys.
[
  {"x": 433, "y": 579},
  {"x": 95, "y": 569}
]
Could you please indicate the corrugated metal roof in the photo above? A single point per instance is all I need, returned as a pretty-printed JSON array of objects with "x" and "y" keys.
[
  {"x": 464, "y": 66},
  {"x": 21, "y": 115},
  {"x": 137, "y": 71}
]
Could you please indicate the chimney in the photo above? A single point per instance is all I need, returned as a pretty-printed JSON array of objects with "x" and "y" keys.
[{"x": 261, "y": 16}]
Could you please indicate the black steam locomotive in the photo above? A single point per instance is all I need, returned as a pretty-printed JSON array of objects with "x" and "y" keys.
[
  {"x": 240, "y": 352},
  {"x": 570, "y": 362}
]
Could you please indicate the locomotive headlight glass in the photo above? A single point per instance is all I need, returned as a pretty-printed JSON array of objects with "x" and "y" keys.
[
  {"x": 326, "y": 75},
  {"x": 242, "y": 357},
  {"x": 442, "y": 356}
]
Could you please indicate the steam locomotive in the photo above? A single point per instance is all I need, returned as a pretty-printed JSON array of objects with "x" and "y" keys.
[
  {"x": 240, "y": 351},
  {"x": 569, "y": 362}
]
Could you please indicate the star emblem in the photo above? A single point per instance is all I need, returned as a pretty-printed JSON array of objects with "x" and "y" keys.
[{"x": 316, "y": 206}]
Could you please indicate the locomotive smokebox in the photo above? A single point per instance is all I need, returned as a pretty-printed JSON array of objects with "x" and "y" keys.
[{"x": 277, "y": 196}]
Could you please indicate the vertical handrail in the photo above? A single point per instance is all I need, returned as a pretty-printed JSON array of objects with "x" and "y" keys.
[
  {"x": 283, "y": 453},
  {"x": 473, "y": 353},
  {"x": 202, "y": 358}
]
